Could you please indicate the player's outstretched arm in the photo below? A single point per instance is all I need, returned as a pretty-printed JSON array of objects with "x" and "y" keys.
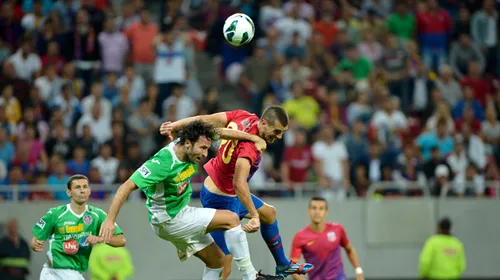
[
  {"x": 108, "y": 226},
  {"x": 118, "y": 240},
  {"x": 36, "y": 245},
  {"x": 242, "y": 189},
  {"x": 233, "y": 134},
  {"x": 217, "y": 120}
]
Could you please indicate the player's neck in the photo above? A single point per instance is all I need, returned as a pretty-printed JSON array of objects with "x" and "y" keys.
[
  {"x": 77, "y": 208},
  {"x": 180, "y": 153},
  {"x": 318, "y": 227}
]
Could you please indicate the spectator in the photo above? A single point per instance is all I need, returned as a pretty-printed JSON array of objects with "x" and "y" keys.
[
  {"x": 439, "y": 139},
  {"x": 9, "y": 77},
  {"x": 78, "y": 164},
  {"x": 290, "y": 24},
  {"x": 58, "y": 178},
  {"x": 380, "y": 7},
  {"x": 30, "y": 119},
  {"x": 69, "y": 77},
  {"x": 133, "y": 159},
  {"x": 390, "y": 123},
  {"x": 270, "y": 13},
  {"x": 395, "y": 63},
  {"x": 468, "y": 101},
  {"x": 359, "y": 109},
  {"x": 408, "y": 167},
  {"x": 99, "y": 124},
  {"x": 468, "y": 119},
  {"x": 10, "y": 27},
  {"x": 430, "y": 166},
  {"x": 423, "y": 91},
  {"x": 304, "y": 109},
  {"x": 7, "y": 150},
  {"x": 294, "y": 71},
  {"x": 462, "y": 24},
  {"x": 353, "y": 67},
  {"x": 211, "y": 104},
  {"x": 369, "y": 47},
  {"x": 27, "y": 64},
  {"x": 320, "y": 60},
  {"x": 480, "y": 85},
  {"x": 49, "y": 85},
  {"x": 141, "y": 34},
  {"x": 53, "y": 57},
  {"x": 145, "y": 124},
  {"x": 122, "y": 102},
  {"x": 256, "y": 73},
  {"x": 470, "y": 183},
  {"x": 433, "y": 25},
  {"x": 33, "y": 21},
  {"x": 30, "y": 154},
  {"x": 450, "y": 89},
  {"x": 51, "y": 32},
  {"x": 96, "y": 98},
  {"x": 443, "y": 254},
  {"x": 106, "y": 164},
  {"x": 360, "y": 180},
  {"x": 402, "y": 23},
  {"x": 474, "y": 146},
  {"x": 484, "y": 29},
  {"x": 442, "y": 113},
  {"x": 15, "y": 254},
  {"x": 462, "y": 52},
  {"x": 184, "y": 105},
  {"x": 490, "y": 128},
  {"x": 295, "y": 48},
  {"x": 69, "y": 105},
  {"x": 114, "y": 47},
  {"x": 128, "y": 16},
  {"x": 326, "y": 28},
  {"x": 8, "y": 126},
  {"x": 297, "y": 160},
  {"x": 59, "y": 142},
  {"x": 110, "y": 87},
  {"x": 331, "y": 164},
  {"x": 335, "y": 112},
  {"x": 15, "y": 177},
  {"x": 11, "y": 104},
  {"x": 306, "y": 10},
  {"x": 373, "y": 160},
  {"x": 136, "y": 85},
  {"x": 118, "y": 141},
  {"x": 458, "y": 159},
  {"x": 87, "y": 141},
  {"x": 356, "y": 142}
]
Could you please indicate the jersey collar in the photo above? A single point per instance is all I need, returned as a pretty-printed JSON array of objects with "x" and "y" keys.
[{"x": 73, "y": 212}]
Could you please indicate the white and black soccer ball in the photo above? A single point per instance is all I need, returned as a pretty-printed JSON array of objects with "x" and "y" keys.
[{"x": 239, "y": 29}]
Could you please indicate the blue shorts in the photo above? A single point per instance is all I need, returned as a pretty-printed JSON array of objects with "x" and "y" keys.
[{"x": 222, "y": 202}]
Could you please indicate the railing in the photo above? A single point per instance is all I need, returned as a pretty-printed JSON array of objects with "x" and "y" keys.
[{"x": 24, "y": 192}]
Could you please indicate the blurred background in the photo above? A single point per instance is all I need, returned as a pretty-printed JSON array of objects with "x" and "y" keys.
[{"x": 394, "y": 108}]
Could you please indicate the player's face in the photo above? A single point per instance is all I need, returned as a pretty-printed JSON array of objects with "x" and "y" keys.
[
  {"x": 317, "y": 211},
  {"x": 80, "y": 191},
  {"x": 199, "y": 149},
  {"x": 271, "y": 132}
]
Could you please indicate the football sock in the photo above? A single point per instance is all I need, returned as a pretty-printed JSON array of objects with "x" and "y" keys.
[
  {"x": 272, "y": 237},
  {"x": 236, "y": 240},
  {"x": 212, "y": 273}
]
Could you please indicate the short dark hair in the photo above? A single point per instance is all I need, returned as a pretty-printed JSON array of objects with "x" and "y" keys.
[
  {"x": 445, "y": 225},
  {"x": 275, "y": 113},
  {"x": 318, "y": 198},
  {"x": 75, "y": 177},
  {"x": 194, "y": 130}
]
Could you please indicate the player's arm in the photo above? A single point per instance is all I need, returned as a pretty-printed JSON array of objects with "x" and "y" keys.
[
  {"x": 296, "y": 254},
  {"x": 41, "y": 232},
  {"x": 351, "y": 253},
  {"x": 108, "y": 226},
  {"x": 234, "y": 134},
  {"x": 241, "y": 187},
  {"x": 218, "y": 120}
]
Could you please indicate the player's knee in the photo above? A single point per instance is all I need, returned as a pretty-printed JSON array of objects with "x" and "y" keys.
[
  {"x": 216, "y": 261},
  {"x": 268, "y": 215},
  {"x": 231, "y": 220}
]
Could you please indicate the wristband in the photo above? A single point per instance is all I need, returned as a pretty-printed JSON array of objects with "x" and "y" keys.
[{"x": 359, "y": 270}]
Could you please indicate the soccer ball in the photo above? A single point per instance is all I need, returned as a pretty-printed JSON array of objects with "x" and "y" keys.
[{"x": 239, "y": 29}]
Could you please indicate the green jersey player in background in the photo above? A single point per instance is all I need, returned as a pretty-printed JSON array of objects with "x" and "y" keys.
[
  {"x": 165, "y": 179},
  {"x": 72, "y": 230}
]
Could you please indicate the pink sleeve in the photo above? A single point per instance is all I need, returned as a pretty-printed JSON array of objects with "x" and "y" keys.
[
  {"x": 296, "y": 251},
  {"x": 249, "y": 151},
  {"x": 344, "y": 241}
]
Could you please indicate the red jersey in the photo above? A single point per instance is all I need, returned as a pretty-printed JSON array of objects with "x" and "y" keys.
[
  {"x": 323, "y": 250},
  {"x": 299, "y": 160},
  {"x": 221, "y": 168}
]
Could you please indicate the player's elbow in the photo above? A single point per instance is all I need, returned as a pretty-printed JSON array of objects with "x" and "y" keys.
[
  {"x": 239, "y": 184},
  {"x": 120, "y": 241}
]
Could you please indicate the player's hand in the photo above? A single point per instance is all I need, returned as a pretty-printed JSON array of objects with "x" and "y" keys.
[
  {"x": 93, "y": 240},
  {"x": 37, "y": 245},
  {"x": 360, "y": 277},
  {"x": 166, "y": 130},
  {"x": 107, "y": 230},
  {"x": 253, "y": 225},
  {"x": 260, "y": 144}
]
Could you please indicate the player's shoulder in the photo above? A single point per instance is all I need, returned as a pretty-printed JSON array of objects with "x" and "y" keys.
[
  {"x": 95, "y": 210},
  {"x": 241, "y": 114},
  {"x": 333, "y": 226},
  {"x": 58, "y": 210},
  {"x": 303, "y": 232}
]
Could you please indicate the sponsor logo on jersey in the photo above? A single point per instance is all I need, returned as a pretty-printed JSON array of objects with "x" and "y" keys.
[
  {"x": 70, "y": 247},
  {"x": 181, "y": 188},
  {"x": 83, "y": 245},
  {"x": 310, "y": 242},
  {"x": 87, "y": 220},
  {"x": 74, "y": 229},
  {"x": 245, "y": 123},
  {"x": 331, "y": 236},
  {"x": 184, "y": 174},
  {"x": 450, "y": 251},
  {"x": 41, "y": 223},
  {"x": 144, "y": 171},
  {"x": 69, "y": 223}
]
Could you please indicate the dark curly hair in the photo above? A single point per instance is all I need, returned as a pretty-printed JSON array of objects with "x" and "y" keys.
[{"x": 194, "y": 130}]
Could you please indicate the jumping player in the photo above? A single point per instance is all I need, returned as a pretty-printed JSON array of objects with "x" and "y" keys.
[
  {"x": 320, "y": 244},
  {"x": 165, "y": 179},
  {"x": 72, "y": 229},
  {"x": 226, "y": 186}
]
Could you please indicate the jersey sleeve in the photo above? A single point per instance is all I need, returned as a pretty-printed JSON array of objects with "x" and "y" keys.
[
  {"x": 102, "y": 216},
  {"x": 152, "y": 172},
  {"x": 249, "y": 151},
  {"x": 296, "y": 252},
  {"x": 44, "y": 228},
  {"x": 344, "y": 241},
  {"x": 231, "y": 115}
]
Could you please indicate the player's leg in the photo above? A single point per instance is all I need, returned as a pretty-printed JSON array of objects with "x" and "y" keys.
[
  {"x": 57, "y": 274},
  {"x": 234, "y": 241},
  {"x": 271, "y": 234},
  {"x": 212, "y": 256}
]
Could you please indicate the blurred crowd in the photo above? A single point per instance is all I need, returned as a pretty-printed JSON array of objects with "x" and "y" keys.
[{"x": 393, "y": 91}]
